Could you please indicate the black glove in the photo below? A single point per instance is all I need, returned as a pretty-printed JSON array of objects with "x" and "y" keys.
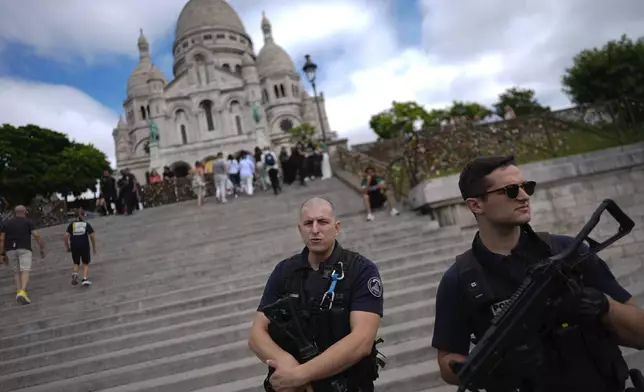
[
  {"x": 592, "y": 305},
  {"x": 519, "y": 363}
]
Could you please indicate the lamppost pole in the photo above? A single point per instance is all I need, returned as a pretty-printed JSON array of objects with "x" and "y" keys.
[{"x": 310, "y": 69}]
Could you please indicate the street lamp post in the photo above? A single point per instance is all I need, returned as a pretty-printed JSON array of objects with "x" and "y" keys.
[{"x": 310, "y": 69}]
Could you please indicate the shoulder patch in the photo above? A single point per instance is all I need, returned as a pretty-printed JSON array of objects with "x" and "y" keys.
[{"x": 375, "y": 287}]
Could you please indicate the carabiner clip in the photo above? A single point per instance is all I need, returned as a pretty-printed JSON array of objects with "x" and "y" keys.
[
  {"x": 341, "y": 271},
  {"x": 331, "y": 291},
  {"x": 325, "y": 297}
]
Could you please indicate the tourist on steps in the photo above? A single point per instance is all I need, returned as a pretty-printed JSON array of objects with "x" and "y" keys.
[
  {"x": 270, "y": 164},
  {"x": 199, "y": 183},
  {"x": 78, "y": 235},
  {"x": 375, "y": 193},
  {"x": 345, "y": 291},
  {"x": 15, "y": 243},
  {"x": 220, "y": 171},
  {"x": 233, "y": 175},
  {"x": 246, "y": 172}
]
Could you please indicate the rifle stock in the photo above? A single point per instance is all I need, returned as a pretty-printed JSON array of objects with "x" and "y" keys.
[
  {"x": 523, "y": 315},
  {"x": 284, "y": 314}
]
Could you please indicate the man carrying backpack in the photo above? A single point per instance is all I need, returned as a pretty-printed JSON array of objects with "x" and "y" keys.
[{"x": 270, "y": 162}]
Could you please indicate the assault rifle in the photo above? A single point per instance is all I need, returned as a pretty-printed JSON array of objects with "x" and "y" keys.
[
  {"x": 285, "y": 314},
  {"x": 525, "y": 314}
]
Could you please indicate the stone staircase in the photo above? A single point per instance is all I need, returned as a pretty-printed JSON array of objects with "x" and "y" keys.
[{"x": 176, "y": 287}]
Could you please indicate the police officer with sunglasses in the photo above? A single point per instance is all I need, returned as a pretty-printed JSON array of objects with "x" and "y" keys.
[{"x": 584, "y": 355}]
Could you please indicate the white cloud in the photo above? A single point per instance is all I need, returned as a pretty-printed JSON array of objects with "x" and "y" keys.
[
  {"x": 470, "y": 50},
  {"x": 59, "y": 108}
]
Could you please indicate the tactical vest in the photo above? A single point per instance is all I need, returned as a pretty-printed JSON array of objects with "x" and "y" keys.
[
  {"x": 576, "y": 358},
  {"x": 327, "y": 322}
]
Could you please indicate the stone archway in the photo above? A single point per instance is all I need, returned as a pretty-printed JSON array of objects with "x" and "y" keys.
[{"x": 180, "y": 169}]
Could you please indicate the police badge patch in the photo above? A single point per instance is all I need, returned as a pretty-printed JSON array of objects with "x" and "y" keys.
[{"x": 375, "y": 287}]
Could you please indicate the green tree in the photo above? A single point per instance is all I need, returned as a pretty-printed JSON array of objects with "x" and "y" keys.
[
  {"x": 401, "y": 118},
  {"x": 600, "y": 74},
  {"x": 79, "y": 167},
  {"x": 470, "y": 110},
  {"x": 436, "y": 116},
  {"x": 304, "y": 131},
  {"x": 521, "y": 100},
  {"x": 29, "y": 155}
]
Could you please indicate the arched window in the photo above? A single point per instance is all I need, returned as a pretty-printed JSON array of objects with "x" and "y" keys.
[
  {"x": 293, "y": 90},
  {"x": 184, "y": 136},
  {"x": 238, "y": 69},
  {"x": 147, "y": 108},
  {"x": 265, "y": 96},
  {"x": 282, "y": 90},
  {"x": 238, "y": 125},
  {"x": 286, "y": 124},
  {"x": 226, "y": 67},
  {"x": 235, "y": 110},
  {"x": 277, "y": 91},
  {"x": 206, "y": 106},
  {"x": 142, "y": 112}
]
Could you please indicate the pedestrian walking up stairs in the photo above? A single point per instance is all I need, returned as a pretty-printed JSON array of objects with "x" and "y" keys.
[{"x": 176, "y": 287}]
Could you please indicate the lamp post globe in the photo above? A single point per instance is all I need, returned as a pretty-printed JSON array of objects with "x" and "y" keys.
[{"x": 310, "y": 69}]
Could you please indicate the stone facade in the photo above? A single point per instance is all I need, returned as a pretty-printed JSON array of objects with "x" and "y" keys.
[{"x": 223, "y": 96}]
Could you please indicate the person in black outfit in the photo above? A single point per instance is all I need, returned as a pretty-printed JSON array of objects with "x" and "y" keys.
[
  {"x": 128, "y": 193},
  {"x": 582, "y": 353},
  {"x": 344, "y": 325},
  {"x": 78, "y": 235},
  {"x": 108, "y": 191}
]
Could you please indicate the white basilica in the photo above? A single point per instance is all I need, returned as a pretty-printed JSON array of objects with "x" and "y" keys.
[{"x": 223, "y": 97}]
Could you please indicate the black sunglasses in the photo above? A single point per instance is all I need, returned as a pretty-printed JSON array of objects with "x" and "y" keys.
[{"x": 512, "y": 190}]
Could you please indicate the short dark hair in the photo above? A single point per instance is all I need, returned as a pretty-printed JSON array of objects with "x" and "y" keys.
[{"x": 472, "y": 182}]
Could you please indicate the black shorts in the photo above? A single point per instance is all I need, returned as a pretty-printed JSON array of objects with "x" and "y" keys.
[
  {"x": 79, "y": 255},
  {"x": 377, "y": 200}
]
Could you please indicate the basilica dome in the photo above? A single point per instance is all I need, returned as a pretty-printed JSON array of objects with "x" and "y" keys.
[
  {"x": 208, "y": 13},
  {"x": 272, "y": 59}
]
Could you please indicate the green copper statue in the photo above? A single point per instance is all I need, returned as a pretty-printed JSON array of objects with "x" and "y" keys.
[
  {"x": 256, "y": 115},
  {"x": 154, "y": 132}
]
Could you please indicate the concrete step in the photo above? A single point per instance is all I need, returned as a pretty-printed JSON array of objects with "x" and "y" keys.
[{"x": 401, "y": 354}]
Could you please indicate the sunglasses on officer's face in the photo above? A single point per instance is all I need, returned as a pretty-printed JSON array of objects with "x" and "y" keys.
[{"x": 512, "y": 190}]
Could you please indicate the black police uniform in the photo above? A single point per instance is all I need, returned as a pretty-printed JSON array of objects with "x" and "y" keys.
[
  {"x": 575, "y": 357},
  {"x": 325, "y": 317}
]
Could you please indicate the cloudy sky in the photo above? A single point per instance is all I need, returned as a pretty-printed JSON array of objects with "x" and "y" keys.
[{"x": 64, "y": 63}]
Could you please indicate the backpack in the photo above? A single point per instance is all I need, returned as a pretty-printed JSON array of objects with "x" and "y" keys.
[{"x": 269, "y": 159}]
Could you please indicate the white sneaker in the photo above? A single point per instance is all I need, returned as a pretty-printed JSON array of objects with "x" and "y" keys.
[
  {"x": 370, "y": 217},
  {"x": 394, "y": 212}
]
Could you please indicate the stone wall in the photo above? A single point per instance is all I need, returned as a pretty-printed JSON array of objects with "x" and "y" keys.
[{"x": 566, "y": 187}]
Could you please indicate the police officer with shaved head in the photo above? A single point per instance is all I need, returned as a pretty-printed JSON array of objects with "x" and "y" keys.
[
  {"x": 582, "y": 353},
  {"x": 338, "y": 304}
]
